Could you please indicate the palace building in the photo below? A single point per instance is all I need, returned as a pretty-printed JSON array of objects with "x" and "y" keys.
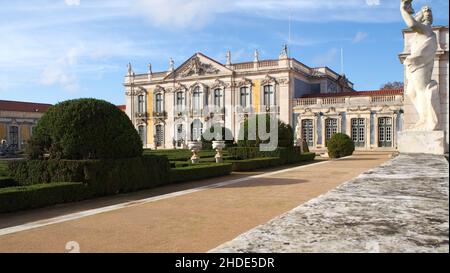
[
  {"x": 168, "y": 108},
  {"x": 17, "y": 120}
]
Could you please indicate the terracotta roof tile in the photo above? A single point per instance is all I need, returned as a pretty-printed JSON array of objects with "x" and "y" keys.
[{"x": 20, "y": 106}]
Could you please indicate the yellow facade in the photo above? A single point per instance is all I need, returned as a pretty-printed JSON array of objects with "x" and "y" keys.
[
  {"x": 3, "y": 131},
  {"x": 25, "y": 132},
  {"x": 150, "y": 115},
  {"x": 256, "y": 95}
]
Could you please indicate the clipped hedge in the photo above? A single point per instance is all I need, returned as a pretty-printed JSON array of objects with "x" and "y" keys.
[
  {"x": 286, "y": 155},
  {"x": 255, "y": 163},
  {"x": 180, "y": 154},
  {"x": 103, "y": 177},
  {"x": 243, "y": 153},
  {"x": 40, "y": 195},
  {"x": 306, "y": 157},
  {"x": 199, "y": 171}
]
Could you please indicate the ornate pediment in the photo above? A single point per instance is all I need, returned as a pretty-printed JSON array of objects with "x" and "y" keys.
[
  {"x": 194, "y": 67},
  {"x": 331, "y": 110},
  {"x": 191, "y": 88},
  {"x": 268, "y": 80},
  {"x": 359, "y": 109},
  {"x": 244, "y": 82},
  {"x": 180, "y": 87},
  {"x": 218, "y": 84},
  {"x": 159, "y": 88}
]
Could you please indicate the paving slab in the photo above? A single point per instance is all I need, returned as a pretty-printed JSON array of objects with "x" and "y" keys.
[{"x": 400, "y": 206}]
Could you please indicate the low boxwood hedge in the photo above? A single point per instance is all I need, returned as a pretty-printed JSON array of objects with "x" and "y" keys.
[
  {"x": 286, "y": 155},
  {"x": 103, "y": 177},
  {"x": 254, "y": 163},
  {"x": 199, "y": 171},
  {"x": 39, "y": 195},
  {"x": 180, "y": 154}
]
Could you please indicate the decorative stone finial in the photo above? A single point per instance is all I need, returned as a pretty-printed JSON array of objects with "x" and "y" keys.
[
  {"x": 130, "y": 69},
  {"x": 284, "y": 52},
  {"x": 171, "y": 65},
  {"x": 228, "y": 58},
  {"x": 256, "y": 56}
]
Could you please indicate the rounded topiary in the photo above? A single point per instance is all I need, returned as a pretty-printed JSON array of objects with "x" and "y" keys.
[
  {"x": 285, "y": 132},
  {"x": 340, "y": 145},
  {"x": 85, "y": 129}
]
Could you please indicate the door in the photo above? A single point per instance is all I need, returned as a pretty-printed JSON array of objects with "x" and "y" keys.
[
  {"x": 359, "y": 132},
  {"x": 330, "y": 128},
  {"x": 384, "y": 132},
  {"x": 307, "y": 131},
  {"x": 14, "y": 137}
]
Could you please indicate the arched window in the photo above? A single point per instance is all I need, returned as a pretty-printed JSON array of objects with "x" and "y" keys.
[
  {"x": 269, "y": 95},
  {"x": 141, "y": 104},
  {"x": 197, "y": 102},
  {"x": 196, "y": 129},
  {"x": 142, "y": 134},
  {"x": 218, "y": 96},
  {"x": 159, "y": 135},
  {"x": 158, "y": 103},
  {"x": 245, "y": 99},
  {"x": 179, "y": 101}
]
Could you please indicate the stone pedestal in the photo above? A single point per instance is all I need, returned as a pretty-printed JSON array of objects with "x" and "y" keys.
[{"x": 421, "y": 142}]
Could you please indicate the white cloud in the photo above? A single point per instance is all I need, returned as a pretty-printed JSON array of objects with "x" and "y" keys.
[
  {"x": 326, "y": 58},
  {"x": 180, "y": 13},
  {"x": 359, "y": 37},
  {"x": 72, "y": 2},
  {"x": 373, "y": 2},
  {"x": 61, "y": 71}
]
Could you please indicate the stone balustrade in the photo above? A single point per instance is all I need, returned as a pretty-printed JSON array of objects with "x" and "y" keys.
[{"x": 350, "y": 100}]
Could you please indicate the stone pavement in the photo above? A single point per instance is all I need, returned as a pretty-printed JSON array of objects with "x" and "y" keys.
[
  {"x": 195, "y": 221},
  {"x": 400, "y": 206}
]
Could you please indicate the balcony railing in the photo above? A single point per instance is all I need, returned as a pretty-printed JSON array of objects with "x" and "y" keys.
[
  {"x": 141, "y": 115},
  {"x": 160, "y": 114}
]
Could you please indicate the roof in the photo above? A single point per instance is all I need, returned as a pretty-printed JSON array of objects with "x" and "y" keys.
[
  {"x": 20, "y": 106},
  {"x": 122, "y": 107},
  {"x": 357, "y": 93}
]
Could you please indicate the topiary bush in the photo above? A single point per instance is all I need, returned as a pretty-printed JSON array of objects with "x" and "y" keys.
[
  {"x": 285, "y": 132},
  {"x": 85, "y": 129},
  {"x": 340, "y": 145}
]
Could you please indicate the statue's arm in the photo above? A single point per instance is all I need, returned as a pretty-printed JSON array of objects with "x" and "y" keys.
[{"x": 408, "y": 18}]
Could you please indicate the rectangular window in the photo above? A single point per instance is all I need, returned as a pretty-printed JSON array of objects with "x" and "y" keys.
[
  {"x": 269, "y": 95},
  {"x": 218, "y": 97},
  {"x": 245, "y": 97},
  {"x": 141, "y": 104}
]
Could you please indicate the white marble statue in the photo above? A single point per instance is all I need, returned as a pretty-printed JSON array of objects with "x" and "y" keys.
[{"x": 422, "y": 91}]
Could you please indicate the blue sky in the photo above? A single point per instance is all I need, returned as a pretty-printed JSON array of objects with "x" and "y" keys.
[{"x": 53, "y": 50}]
